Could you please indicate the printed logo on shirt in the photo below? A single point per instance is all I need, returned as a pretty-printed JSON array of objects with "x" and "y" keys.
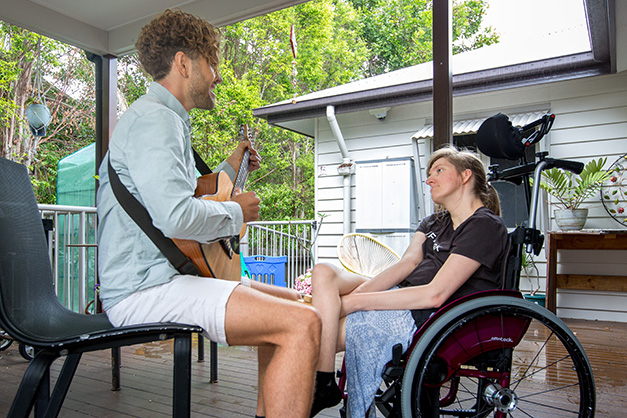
[{"x": 433, "y": 236}]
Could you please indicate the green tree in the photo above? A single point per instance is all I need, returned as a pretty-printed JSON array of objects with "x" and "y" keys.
[
  {"x": 258, "y": 68},
  {"x": 338, "y": 41},
  {"x": 399, "y": 32},
  {"x": 68, "y": 89}
]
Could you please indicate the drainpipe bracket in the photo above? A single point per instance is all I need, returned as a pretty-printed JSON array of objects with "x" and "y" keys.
[{"x": 346, "y": 168}]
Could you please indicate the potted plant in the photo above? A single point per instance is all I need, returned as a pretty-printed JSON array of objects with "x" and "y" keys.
[
  {"x": 571, "y": 190},
  {"x": 531, "y": 272}
]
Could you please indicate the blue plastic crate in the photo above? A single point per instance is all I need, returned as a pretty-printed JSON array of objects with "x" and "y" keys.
[{"x": 265, "y": 269}]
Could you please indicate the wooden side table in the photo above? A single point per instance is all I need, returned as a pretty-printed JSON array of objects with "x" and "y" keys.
[{"x": 582, "y": 240}]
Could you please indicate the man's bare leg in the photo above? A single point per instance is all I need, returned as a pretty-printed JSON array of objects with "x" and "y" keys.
[
  {"x": 293, "y": 331},
  {"x": 278, "y": 291},
  {"x": 264, "y": 354}
]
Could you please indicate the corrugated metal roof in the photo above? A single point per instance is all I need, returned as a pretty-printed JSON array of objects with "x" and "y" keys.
[{"x": 470, "y": 126}]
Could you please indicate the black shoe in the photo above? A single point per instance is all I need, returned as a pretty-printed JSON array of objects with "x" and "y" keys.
[{"x": 326, "y": 396}]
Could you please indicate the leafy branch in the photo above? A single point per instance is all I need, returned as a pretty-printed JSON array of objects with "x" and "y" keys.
[{"x": 572, "y": 190}]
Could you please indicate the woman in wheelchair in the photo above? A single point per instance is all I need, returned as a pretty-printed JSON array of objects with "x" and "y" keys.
[{"x": 457, "y": 251}]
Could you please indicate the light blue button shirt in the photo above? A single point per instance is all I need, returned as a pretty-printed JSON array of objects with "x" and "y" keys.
[{"x": 151, "y": 151}]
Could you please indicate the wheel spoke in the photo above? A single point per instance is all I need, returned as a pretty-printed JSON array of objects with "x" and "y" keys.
[{"x": 535, "y": 358}]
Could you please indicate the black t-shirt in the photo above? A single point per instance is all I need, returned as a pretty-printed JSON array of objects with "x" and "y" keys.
[{"x": 482, "y": 237}]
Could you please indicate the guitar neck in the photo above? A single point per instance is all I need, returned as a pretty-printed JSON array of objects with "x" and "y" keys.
[{"x": 242, "y": 173}]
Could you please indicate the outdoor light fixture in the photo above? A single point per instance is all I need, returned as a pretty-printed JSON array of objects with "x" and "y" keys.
[
  {"x": 37, "y": 113},
  {"x": 38, "y": 117}
]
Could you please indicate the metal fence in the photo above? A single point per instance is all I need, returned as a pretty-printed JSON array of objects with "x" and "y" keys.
[
  {"x": 72, "y": 233},
  {"x": 294, "y": 239},
  {"x": 72, "y": 245}
]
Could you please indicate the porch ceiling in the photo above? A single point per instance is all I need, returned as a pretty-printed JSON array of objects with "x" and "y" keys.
[{"x": 110, "y": 27}]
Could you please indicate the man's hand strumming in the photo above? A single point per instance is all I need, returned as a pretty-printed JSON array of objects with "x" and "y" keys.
[{"x": 249, "y": 203}]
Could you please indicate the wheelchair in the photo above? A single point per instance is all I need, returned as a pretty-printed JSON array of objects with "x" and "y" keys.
[{"x": 494, "y": 354}]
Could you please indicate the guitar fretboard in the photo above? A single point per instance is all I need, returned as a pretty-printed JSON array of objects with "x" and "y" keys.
[{"x": 242, "y": 173}]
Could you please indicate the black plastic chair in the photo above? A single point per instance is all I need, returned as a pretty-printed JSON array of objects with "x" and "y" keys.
[{"x": 31, "y": 312}]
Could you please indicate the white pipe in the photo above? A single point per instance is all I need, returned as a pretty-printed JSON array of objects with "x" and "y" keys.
[
  {"x": 347, "y": 204},
  {"x": 336, "y": 131},
  {"x": 335, "y": 128}
]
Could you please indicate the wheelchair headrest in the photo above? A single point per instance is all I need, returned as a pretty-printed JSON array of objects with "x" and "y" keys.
[{"x": 497, "y": 138}]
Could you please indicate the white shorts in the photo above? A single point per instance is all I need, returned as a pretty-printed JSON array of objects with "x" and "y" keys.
[{"x": 191, "y": 300}]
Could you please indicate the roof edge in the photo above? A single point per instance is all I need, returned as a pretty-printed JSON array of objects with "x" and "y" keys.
[{"x": 519, "y": 75}]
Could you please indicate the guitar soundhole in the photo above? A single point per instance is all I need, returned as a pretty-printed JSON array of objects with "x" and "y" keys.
[
  {"x": 235, "y": 244},
  {"x": 230, "y": 246}
]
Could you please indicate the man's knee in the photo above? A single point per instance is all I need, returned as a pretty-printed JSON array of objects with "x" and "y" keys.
[{"x": 308, "y": 325}]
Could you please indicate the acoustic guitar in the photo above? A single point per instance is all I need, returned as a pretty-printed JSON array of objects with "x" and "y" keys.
[{"x": 219, "y": 259}]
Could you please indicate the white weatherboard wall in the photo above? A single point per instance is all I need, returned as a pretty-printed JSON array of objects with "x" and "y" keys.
[
  {"x": 367, "y": 138},
  {"x": 591, "y": 122}
]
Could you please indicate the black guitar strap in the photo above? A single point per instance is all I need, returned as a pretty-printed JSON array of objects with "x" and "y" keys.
[
  {"x": 142, "y": 218},
  {"x": 201, "y": 166}
]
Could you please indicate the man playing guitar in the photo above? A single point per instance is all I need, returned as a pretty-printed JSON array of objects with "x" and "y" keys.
[{"x": 150, "y": 151}]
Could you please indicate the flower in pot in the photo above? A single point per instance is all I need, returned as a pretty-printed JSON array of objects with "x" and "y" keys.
[{"x": 571, "y": 190}]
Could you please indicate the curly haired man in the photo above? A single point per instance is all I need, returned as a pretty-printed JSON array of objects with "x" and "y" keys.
[{"x": 150, "y": 150}]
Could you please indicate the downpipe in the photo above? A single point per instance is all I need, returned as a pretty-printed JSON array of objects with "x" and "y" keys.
[{"x": 346, "y": 169}]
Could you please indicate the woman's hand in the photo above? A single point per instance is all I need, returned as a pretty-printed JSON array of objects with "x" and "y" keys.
[{"x": 346, "y": 307}]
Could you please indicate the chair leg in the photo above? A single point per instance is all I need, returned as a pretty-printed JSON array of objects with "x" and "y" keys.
[
  {"x": 115, "y": 368},
  {"x": 181, "y": 392},
  {"x": 42, "y": 397},
  {"x": 35, "y": 374},
  {"x": 213, "y": 353},
  {"x": 63, "y": 385},
  {"x": 201, "y": 349}
]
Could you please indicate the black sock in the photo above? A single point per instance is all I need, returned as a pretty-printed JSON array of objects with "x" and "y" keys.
[
  {"x": 327, "y": 393},
  {"x": 257, "y": 416},
  {"x": 324, "y": 378}
]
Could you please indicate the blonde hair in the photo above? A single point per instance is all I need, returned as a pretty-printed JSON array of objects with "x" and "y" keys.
[{"x": 467, "y": 160}]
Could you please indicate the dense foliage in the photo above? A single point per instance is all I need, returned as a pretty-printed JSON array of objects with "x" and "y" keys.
[
  {"x": 338, "y": 41},
  {"x": 67, "y": 84}
]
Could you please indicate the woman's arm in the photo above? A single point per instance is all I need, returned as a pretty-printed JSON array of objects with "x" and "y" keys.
[
  {"x": 453, "y": 273},
  {"x": 395, "y": 274}
]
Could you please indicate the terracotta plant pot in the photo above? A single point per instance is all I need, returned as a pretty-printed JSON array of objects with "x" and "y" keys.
[{"x": 571, "y": 219}]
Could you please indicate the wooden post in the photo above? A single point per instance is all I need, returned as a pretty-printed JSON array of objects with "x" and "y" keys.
[{"x": 442, "y": 73}]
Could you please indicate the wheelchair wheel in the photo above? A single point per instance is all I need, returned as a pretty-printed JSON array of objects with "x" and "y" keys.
[
  {"x": 498, "y": 356},
  {"x": 5, "y": 340},
  {"x": 26, "y": 351}
]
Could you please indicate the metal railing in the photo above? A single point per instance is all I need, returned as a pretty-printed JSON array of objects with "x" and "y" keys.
[
  {"x": 72, "y": 233},
  {"x": 294, "y": 239}
]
